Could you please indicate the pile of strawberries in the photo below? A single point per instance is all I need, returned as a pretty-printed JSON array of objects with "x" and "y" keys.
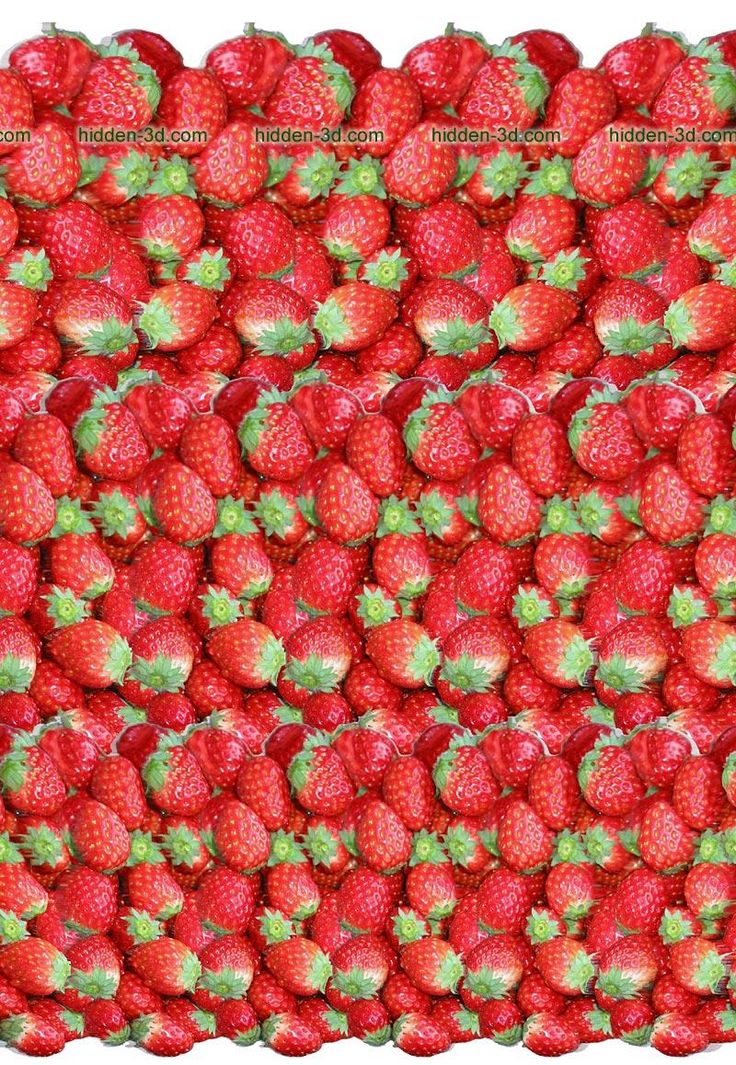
[{"x": 368, "y": 543}]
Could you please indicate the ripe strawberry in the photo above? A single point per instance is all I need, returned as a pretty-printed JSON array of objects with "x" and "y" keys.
[
  {"x": 506, "y": 89},
  {"x": 637, "y": 68},
  {"x": 432, "y": 965},
  {"x": 438, "y": 438},
  {"x": 91, "y": 653},
  {"x": 403, "y": 653},
  {"x": 289, "y": 1033},
  {"x": 247, "y": 652},
  {"x": 54, "y": 65},
  {"x": 707, "y": 649},
  {"x": 630, "y": 240},
  {"x": 178, "y": 315},
  {"x": 98, "y": 836},
  {"x": 31, "y": 1033},
  {"x": 159, "y": 1033},
  {"x": 605, "y": 172},
  {"x": 419, "y": 1034},
  {"x": 458, "y": 252},
  {"x": 566, "y": 966},
  {"x": 419, "y": 170},
  {"x": 593, "y": 429},
  {"x": 677, "y": 1033},
  {"x": 532, "y": 316},
  {"x": 34, "y": 966},
  {"x": 299, "y": 966},
  {"x": 354, "y": 316},
  {"x": 248, "y": 67},
  {"x": 608, "y": 779},
  {"x": 524, "y": 841},
  {"x": 321, "y": 85},
  {"x": 702, "y": 318},
  {"x": 240, "y": 838},
  {"x": 50, "y": 142},
  {"x": 559, "y": 653},
  {"x": 581, "y": 102},
  {"x": 118, "y": 88},
  {"x": 443, "y": 67},
  {"x": 702, "y": 84}
]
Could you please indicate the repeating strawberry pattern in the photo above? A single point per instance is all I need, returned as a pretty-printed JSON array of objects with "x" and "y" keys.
[{"x": 368, "y": 543}]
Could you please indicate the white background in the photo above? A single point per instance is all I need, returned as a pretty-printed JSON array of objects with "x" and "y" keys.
[{"x": 393, "y": 27}]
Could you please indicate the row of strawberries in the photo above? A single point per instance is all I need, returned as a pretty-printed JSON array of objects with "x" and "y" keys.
[
  {"x": 448, "y": 554},
  {"x": 186, "y": 886},
  {"x": 203, "y": 257}
]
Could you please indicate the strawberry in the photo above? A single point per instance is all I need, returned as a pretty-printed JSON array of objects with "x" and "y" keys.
[
  {"x": 163, "y": 577},
  {"x": 248, "y": 67},
  {"x": 707, "y": 648},
  {"x": 637, "y": 68},
  {"x": 20, "y": 893},
  {"x": 261, "y": 241},
  {"x": 354, "y": 316},
  {"x": 192, "y": 99},
  {"x": 403, "y": 653},
  {"x": 419, "y": 170},
  {"x": 559, "y": 653},
  {"x": 274, "y": 439},
  {"x": 169, "y": 227},
  {"x": 98, "y": 836},
  {"x": 450, "y": 320},
  {"x": 54, "y": 65},
  {"x": 419, "y": 1034},
  {"x": 438, "y": 438},
  {"x": 532, "y": 316},
  {"x": 247, "y": 652},
  {"x": 460, "y": 249},
  {"x": 677, "y": 1033},
  {"x": 541, "y": 226},
  {"x": 299, "y": 966},
  {"x": 290, "y": 1033},
  {"x": 240, "y": 837},
  {"x": 118, "y": 88},
  {"x": 274, "y": 320},
  {"x": 322, "y": 86},
  {"x": 345, "y": 506},
  {"x": 109, "y": 440},
  {"x": 443, "y": 67},
  {"x": 178, "y": 315},
  {"x": 524, "y": 842},
  {"x": 608, "y": 779},
  {"x": 630, "y": 240},
  {"x": 30, "y": 1033},
  {"x": 92, "y": 653},
  {"x": 183, "y": 506},
  {"x": 173, "y": 779},
  {"x": 699, "y": 86},
  {"x": 702, "y": 317},
  {"x": 166, "y": 965},
  {"x": 34, "y": 966},
  {"x": 432, "y": 965},
  {"x": 159, "y": 1033},
  {"x": 49, "y": 142},
  {"x": 319, "y": 778},
  {"x": 566, "y": 966},
  {"x": 581, "y": 102},
  {"x": 606, "y": 173},
  {"x": 506, "y": 89},
  {"x": 382, "y": 841}
]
